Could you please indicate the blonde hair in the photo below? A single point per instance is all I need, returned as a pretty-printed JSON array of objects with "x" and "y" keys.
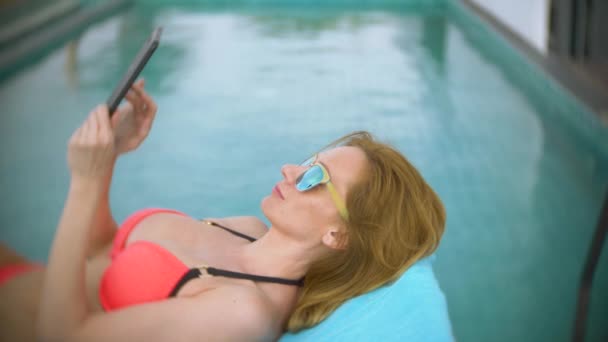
[{"x": 395, "y": 220}]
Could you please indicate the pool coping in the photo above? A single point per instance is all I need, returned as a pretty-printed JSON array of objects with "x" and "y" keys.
[
  {"x": 20, "y": 25},
  {"x": 37, "y": 44},
  {"x": 580, "y": 85},
  {"x": 519, "y": 63}
]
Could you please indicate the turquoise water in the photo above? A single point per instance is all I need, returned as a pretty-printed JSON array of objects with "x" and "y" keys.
[{"x": 241, "y": 91}]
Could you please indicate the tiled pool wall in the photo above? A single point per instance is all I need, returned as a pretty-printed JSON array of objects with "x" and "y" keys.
[{"x": 558, "y": 102}]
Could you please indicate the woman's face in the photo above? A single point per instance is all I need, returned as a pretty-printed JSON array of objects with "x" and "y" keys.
[{"x": 309, "y": 215}]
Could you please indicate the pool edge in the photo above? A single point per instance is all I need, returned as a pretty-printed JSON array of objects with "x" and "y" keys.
[
  {"x": 547, "y": 78},
  {"x": 39, "y": 45}
]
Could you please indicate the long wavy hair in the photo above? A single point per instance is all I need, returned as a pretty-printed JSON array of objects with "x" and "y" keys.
[{"x": 395, "y": 219}]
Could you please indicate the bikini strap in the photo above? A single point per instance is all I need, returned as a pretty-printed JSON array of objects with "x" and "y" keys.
[
  {"x": 195, "y": 272},
  {"x": 232, "y": 231},
  {"x": 238, "y": 275},
  {"x": 191, "y": 274}
]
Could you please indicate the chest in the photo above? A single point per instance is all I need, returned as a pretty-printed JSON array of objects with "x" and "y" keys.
[
  {"x": 191, "y": 241},
  {"x": 157, "y": 254},
  {"x": 187, "y": 243}
]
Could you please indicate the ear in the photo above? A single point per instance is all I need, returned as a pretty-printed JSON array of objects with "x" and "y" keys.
[{"x": 335, "y": 239}]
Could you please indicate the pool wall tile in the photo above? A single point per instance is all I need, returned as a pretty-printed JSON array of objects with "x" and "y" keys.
[{"x": 522, "y": 71}]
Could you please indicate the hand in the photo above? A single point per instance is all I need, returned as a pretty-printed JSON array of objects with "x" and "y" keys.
[
  {"x": 132, "y": 122},
  {"x": 91, "y": 149}
]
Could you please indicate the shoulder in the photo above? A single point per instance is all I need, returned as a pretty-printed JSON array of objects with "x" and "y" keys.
[
  {"x": 249, "y": 308},
  {"x": 248, "y": 225},
  {"x": 257, "y": 308}
]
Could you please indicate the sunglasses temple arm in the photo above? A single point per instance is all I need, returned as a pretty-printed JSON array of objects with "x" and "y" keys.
[{"x": 338, "y": 200}]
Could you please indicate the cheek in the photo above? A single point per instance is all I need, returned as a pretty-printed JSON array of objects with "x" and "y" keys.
[
  {"x": 317, "y": 207},
  {"x": 313, "y": 213},
  {"x": 282, "y": 214},
  {"x": 298, "y": 215}
]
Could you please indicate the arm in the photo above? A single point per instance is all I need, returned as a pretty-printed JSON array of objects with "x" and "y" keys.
[
  {"x": 131, "y": 124},
  {"x": 63, "y": 302},
  {"x": 223, "y": 314},
  {"x": 91, "y": 157},
  {"x": 92, "y": 153},
  {"x": 104, "y": 225},
  {"x": 227, "y": 313}
]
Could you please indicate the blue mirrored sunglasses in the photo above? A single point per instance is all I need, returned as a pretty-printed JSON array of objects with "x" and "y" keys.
[{"x": 315, "y": 175}]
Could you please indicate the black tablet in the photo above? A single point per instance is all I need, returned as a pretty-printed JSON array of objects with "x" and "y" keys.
[{"x": 134, "y": 69}]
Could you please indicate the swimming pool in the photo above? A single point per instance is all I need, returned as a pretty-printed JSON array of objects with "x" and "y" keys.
[{"x": 244, "y": 89}]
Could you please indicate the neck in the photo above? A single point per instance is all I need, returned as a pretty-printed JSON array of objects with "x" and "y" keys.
[{"x": 277, "y": 255}]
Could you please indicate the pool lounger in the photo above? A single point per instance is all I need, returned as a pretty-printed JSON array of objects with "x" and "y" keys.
[{"x": 411, "y": 309}]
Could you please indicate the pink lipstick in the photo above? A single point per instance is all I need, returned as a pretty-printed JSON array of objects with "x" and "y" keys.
[{"x": 278, "y": 191}]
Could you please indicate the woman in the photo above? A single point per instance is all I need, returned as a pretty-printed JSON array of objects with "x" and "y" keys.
[{"x": 350, "y": 219}]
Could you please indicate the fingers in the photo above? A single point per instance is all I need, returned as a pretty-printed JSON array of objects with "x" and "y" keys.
[
  {"x": 96, "y": 124},
  {"x": 82, "y": 132},
  {"x": 135, "y": 98},
  {"x": 104, "y": 128},
  {"x": 91, "y": 151},
  {"x": 150, "y": 105},
  {"x": 132, "y": 98},
  {"x": 86, "y": 127}
]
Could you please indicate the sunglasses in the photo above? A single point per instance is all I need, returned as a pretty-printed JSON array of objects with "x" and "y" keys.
[{"x": 315, "y": 175}]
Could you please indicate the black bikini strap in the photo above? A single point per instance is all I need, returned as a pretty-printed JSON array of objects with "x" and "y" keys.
[
  {"x": 196, "y": 272},
  {"x": 238, "y": 275},
  {"x": 234, "y": 232},
  {"x": 191, "y": 274}
]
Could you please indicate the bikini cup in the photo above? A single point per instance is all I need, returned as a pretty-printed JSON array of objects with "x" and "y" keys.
[{"x": 146, "y": 272}]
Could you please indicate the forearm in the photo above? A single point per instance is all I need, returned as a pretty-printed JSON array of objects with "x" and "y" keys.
[
  {"x": 63, "y": 305},
  {"x": 104, "y": 225}
]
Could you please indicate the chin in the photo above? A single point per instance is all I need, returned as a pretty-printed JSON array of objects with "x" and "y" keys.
[
  {"x": 270, "y": 209},
  {"x": 265, "y": 205}
]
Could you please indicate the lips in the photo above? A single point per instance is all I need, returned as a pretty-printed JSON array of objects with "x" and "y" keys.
[{"x": 278, "y": 191}]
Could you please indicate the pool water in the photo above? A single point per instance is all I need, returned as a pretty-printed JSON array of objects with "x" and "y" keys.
[{"x": 244, "y": 90}]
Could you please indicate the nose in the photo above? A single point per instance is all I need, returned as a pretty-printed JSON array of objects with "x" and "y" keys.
[{"x": 291, "y": 172}]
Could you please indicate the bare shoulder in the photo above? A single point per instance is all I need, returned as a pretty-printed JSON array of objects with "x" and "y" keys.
[
  {"x": 249, "y": 225},
  {"x": 250, "y": 309},
  {"x": 256, "y": 305}
]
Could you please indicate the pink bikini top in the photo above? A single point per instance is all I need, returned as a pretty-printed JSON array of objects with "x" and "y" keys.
[{"x": 145, "y": 272}]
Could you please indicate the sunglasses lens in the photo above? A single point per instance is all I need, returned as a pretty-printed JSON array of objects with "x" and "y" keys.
[
  {"x": 309, "y": 179},
  {"x": 308, "y": 161}
]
